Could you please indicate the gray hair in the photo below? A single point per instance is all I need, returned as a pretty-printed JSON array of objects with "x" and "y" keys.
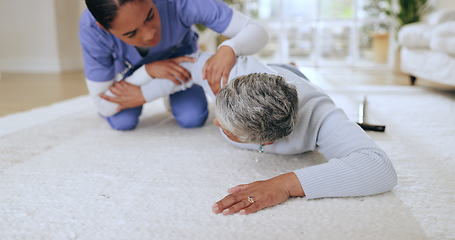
[{"x": 258, "y": 107}]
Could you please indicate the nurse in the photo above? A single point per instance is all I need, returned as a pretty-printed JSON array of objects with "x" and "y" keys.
[{"x": 127, "y": 42}]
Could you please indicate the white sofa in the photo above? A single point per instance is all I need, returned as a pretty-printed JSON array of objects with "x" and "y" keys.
[{"x": 428, "y": 48}]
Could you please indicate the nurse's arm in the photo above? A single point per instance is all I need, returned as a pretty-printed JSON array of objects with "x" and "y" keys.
[
  {"x": 244, "y": 65},
  {"x": 95, "y": 89},
  {"x": 243, "y": 31},
  {"x": 157, "y": 88},
  {"x": 163, "y": 87},
  {"x": 151, "y": 88}
]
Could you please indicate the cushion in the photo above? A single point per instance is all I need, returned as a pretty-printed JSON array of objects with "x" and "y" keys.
[
  {"x": 443, "y": 38},
  {"x": 415, "y": 35},
  {"x": 440, "y": 16}
]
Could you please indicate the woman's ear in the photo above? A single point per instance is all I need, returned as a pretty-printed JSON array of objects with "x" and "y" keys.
[
  {"x": 216, "y": 122},
  {"x": 101, "y": 26}
]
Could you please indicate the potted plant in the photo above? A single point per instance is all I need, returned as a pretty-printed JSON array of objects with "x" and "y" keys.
[{"x": 403, "y": 11}]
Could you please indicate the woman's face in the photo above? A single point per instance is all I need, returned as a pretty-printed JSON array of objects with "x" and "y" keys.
[
  {"x": 138, "y": 23},
  {"x": 230, "y": 135}
]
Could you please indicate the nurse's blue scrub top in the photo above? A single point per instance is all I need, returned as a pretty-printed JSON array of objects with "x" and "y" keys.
[{"x": 105, "y": 55}]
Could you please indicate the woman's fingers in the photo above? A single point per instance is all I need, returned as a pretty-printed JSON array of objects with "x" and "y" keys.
[
  {"x": 254, "y": 207},
  {"x": 205, "y": 71},
  {"x": 183, "y": 59},
  {"x": 227, "y": 202},
  {"x": 214, "y": 80},
  {"x": 237, "y": 188},
  {"x": 119, "y": 85},
  {"x": 181, "y": 72},
  {"x": 225, "y": 78},
  {"x": 119, "y": 88},
  {"x": 110, "y": 99},
  {"x": 116, "y": 90},
  {"x": 239, "y": 203},
  {"x": 237, "y": 207},
  {"x": 265, "y": 193},
  {"x": 173, "y": 78}
]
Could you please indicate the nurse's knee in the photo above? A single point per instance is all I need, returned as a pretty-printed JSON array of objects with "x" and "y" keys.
[
  {"x": 189, "y": 107},
  {"x": 124, "y": 121},
  {"x": 192, "y": 118}
]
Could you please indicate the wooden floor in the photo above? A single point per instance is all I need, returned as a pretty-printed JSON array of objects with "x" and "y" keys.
[{"x": 20, "y": 92}]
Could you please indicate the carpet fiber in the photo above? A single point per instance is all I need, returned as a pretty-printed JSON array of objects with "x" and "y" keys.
[{"x": 65, "y": 175}]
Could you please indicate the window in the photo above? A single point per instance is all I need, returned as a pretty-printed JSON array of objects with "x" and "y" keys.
[{"x": 323, "y": 32}]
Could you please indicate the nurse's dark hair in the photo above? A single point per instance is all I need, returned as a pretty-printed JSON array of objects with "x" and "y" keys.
[{"x": 105, "y": 11}]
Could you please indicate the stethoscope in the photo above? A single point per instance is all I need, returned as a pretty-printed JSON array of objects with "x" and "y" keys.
[{"x": 128, "y": 69}]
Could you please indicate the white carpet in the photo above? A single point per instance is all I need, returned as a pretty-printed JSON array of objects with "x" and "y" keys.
[{"x": 65, "y": 175}]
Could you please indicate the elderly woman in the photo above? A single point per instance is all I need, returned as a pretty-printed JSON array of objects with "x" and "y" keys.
[{"x": 275, "y": 110}]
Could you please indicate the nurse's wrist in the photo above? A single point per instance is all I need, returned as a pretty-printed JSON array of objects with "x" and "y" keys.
[
  {"x": 149, "y": 69},
  {"x": 228, "y": 44}
]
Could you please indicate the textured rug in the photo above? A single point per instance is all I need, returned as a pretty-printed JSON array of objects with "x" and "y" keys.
[{"x": 65, "y": 175}]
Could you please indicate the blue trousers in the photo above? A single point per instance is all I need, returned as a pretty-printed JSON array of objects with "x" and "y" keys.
[{"x": 189, "y": 108}]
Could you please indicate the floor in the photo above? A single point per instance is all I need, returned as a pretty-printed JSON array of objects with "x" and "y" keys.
[
  {"x": 21, "y": 92},
  {"x": 65, "y": 169}
]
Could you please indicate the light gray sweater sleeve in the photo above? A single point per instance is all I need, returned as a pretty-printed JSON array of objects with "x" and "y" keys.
[{"x": 355, "y": 167}]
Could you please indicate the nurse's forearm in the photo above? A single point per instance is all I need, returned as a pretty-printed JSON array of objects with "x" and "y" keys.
[
  {"x": 104, "y": 107},
  {"x": 139, "y": 77},
  {"x": 243, "y": 31},
  {"x": 95, "y": 89}
]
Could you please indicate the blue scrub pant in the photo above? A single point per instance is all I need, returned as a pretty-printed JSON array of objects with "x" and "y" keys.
[{"x": 189, "y": 108}]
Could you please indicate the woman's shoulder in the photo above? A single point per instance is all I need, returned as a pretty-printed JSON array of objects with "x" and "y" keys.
[{"x": 86, "y": 19}]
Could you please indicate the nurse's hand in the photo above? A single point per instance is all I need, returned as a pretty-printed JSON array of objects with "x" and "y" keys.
[
  {"x": 126, "y": 95},
  {"x": 217, "y": 68},
  {"x": 170, "y": 69},
  {"x": 263, "y": 194}
]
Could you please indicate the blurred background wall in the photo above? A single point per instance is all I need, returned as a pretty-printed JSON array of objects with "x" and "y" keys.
[
  {"x": 445, "y": 4},
  {"x": 42, "y": 35}
]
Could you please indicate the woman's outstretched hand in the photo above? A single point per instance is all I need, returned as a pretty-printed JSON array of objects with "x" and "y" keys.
[
  {"x": 126, "y": 95},
  {"x": 217, "y": 68},
  {"x": 250, "y": 198}
]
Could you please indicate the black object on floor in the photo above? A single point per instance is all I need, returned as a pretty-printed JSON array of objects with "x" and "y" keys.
[{"x": 362, "y": 119}]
